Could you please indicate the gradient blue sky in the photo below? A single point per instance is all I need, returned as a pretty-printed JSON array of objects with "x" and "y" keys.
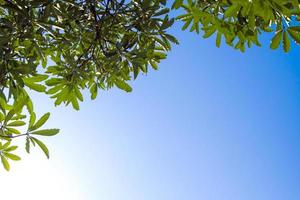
[{"x": 211, "y": 124}]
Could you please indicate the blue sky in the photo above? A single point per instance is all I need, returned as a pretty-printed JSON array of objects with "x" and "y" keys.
[{"x": 211, "y": 124}]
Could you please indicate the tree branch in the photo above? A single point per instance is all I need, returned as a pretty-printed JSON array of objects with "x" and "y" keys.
[{"x": 13, "y": 136}]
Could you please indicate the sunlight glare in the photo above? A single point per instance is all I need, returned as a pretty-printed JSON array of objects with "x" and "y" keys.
[{"x": 38, "y": 179}]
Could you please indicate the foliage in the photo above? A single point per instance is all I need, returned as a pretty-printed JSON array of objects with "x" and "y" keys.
[
  {"x": 62, "y": 47},
  {"x": 241, "y": 22}
]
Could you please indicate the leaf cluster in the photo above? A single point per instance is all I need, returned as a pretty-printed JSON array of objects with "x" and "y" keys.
[
  {"x": 241, "y": 22},
  {"x": 12, "y": 119},
  {"x": 63, "y": 47}
]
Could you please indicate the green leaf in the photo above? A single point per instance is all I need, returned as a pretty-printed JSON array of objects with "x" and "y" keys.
[
  {"x": 34, "y": 86},
  {"x": 16, "y": 123},
  {"x": 209, "y": 32},
  {"x": 55, "y": 89},
  {"x": 46, "y": 132},
  {"x": 172, "y": 38},
  {"x": 295, "y": 28},
  {"x": 13, "y": 131},
  {"x": 276, "y": 40},
  {"x": 11, "y": 156},
  {"x": 219, "y": 38},
  {"x": 177, "y": 4},
  {"x": 42, "y": 146},
  {"x": 36, "y": 78},
  {"x": 5, "y": 163},
  {"x": 29, "y": 106},
  {"x": 295, "y": 35},
  {"x": 123, "y": 85},
  {"x": 40, "y": 122},
  {"x": 32, "y": 119},
  {"x": 27, "y": 145},
  {"x": 75, "y": 103},
  {"x": 94, "y": 91},
  {"x": 18, "y": 117},
  {"x": 2, "y": 117},
  {"x": 162, "y": 12},
  {"x": 286, "y": 42},
  {"x": 9, "y": 115},
  {"x": 6, "y": 145},
  {"x": 53, "y": 81},
  {"x": 187, "y": 24},
  {"x": 17, "y": 107},
  {"x": 11, "y": 148},
  {"x": 153, "y": 65},
  {"x": 232, "y": 11},
  {"x": 78, "y": 93}
]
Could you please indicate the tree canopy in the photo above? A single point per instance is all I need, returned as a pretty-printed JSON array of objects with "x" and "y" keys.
[{"x": 62, "y": 47}]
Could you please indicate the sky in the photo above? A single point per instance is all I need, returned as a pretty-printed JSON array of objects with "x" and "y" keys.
[{"x": 210, "y": 124}]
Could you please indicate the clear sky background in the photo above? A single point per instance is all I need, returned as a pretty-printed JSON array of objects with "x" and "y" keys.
[{"x": 211, "y": 124}]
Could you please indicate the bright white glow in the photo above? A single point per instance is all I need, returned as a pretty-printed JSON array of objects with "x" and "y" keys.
[{"x": 36, "y": 178}]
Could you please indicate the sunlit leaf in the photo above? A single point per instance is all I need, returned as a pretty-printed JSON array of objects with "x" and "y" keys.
[
  {"x": 42, "y": 146},
  {"x": 45, "y": 132}
]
